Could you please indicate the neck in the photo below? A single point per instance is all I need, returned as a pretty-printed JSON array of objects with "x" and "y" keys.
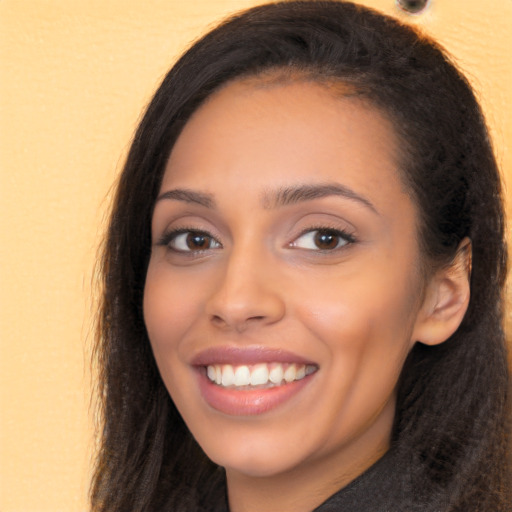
[{"x": 300, "y": 489}]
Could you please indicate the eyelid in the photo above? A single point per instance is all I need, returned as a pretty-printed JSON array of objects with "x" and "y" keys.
[
  {"x": 169, "y": 236},
  {"x": 344, "y": 235}
]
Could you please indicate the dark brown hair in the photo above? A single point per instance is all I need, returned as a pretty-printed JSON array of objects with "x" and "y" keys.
[{"x": 450, "y": 431}]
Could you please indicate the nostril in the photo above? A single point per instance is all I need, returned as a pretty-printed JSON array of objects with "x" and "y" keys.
[
  {"x": 218, "y": 320},
  {"x": 242, "y": 301}
]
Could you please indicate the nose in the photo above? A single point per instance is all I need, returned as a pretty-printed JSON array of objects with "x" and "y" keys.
[{"x": 247, "y": 295}]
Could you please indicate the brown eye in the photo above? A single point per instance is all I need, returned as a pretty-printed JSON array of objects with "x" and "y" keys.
[
  {"x": 192, "y": 241},
  {"x": 323, "y": 240},
  {"x": 326, "y": 239},
  {"x": 197, "y": 241}
]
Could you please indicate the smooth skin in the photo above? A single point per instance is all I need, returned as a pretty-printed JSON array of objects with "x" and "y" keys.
[{"x": 283, "y": 223}]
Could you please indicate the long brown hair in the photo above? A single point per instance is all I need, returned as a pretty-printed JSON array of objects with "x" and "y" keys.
[{"x": 450, "y": 432}]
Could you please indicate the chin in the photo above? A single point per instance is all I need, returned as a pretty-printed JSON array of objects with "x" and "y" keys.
[{"x": 256, "y": 465}]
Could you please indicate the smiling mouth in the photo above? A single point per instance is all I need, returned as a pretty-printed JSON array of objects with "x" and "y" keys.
[
  {"x": 257, "y": 376},
  {"x": 250, "y": 381}
]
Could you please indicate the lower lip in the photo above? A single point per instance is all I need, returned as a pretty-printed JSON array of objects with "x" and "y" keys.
[{"x": 248, "y": 402}]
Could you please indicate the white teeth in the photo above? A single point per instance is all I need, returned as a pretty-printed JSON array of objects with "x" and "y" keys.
[
  {"x": 310, "y": 369},
  {"x": 276, "y": 374},
  {"x": 228, "y": 375},
  {"x": 259, "y": 375},
  {"x": 242, "y": 376},
  {"x": 290, "y": 373},
  {"x": 263, "y": 374}
]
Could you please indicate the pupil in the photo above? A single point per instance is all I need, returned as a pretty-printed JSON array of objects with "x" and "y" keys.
[
  {"x": 326, "y": 240},
  {"x": 197, "y": 241}
]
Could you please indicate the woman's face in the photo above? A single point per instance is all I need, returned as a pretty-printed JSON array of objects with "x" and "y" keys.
[{"x": 283, "y": 291}]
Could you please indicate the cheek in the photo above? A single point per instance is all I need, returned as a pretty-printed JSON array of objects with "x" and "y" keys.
[
  {"x": 366, "y": 325},
  {"x": 168, "y": 310},
  {"x": 168, "y": 306},
  {"x": 367, "y": 335},
  {"x": 362, "y": 305}
]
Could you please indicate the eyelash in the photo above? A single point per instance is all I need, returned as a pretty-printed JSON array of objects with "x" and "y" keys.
[
  {"x": 168, "y": 238},
  {"x": 343, "y": 237}
]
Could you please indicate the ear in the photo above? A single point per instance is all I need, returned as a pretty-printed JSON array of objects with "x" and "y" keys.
[{"x": 446, "y": 299}]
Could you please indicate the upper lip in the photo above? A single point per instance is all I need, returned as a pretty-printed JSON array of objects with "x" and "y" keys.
[{"x": 246, "y": 355}]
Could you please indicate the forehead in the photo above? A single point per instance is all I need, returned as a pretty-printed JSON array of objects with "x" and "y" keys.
[{"x": 272, "y": 134}]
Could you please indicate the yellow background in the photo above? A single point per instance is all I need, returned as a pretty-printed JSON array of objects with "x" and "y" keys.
[{"x": 74, "y": 76}]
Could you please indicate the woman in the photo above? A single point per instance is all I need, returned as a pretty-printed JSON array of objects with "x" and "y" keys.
[{"x": 303, "y": 279}]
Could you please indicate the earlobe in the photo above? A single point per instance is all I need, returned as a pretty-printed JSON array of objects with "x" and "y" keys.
[{"x": 446, "y": 299}]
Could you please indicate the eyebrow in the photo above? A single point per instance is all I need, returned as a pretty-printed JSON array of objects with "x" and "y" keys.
[
  {"x": 275, "y": 199},
  {"x": 293, "y": 195},
  {"x": 188, "y": 196}
]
